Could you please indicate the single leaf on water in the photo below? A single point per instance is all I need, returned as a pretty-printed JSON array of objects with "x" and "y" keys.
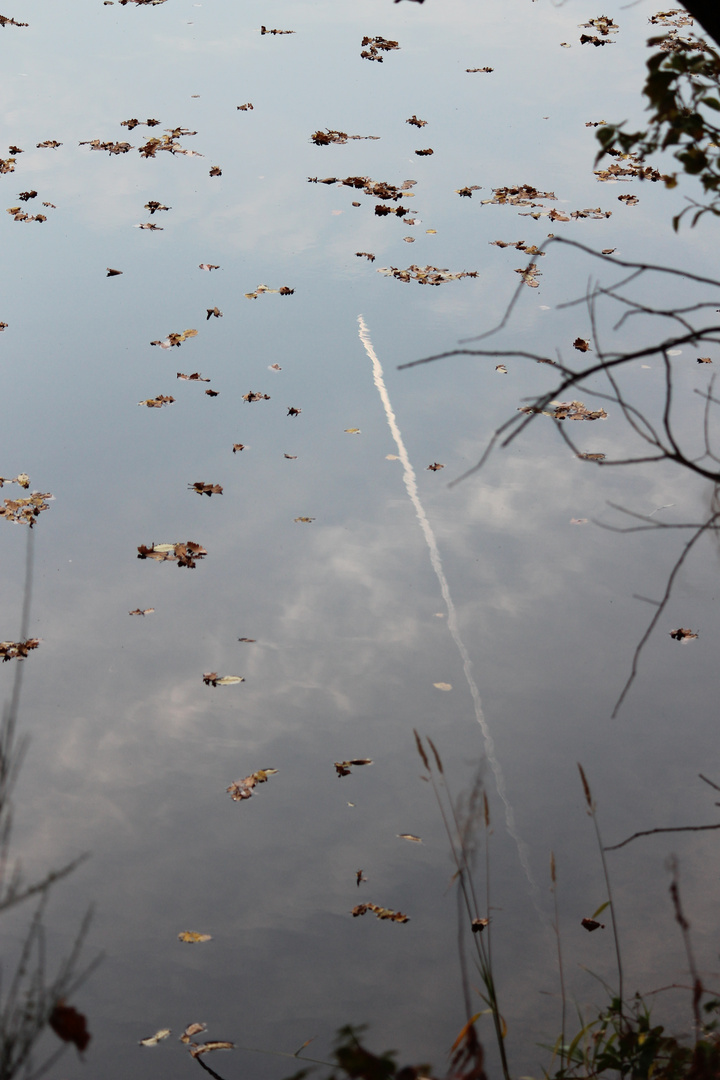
[
  {"x": 153, "y": 1040},
  {"x": 192, "y": 937},
  {"x": 205, "y": 1048},
  {"x": 409, "y": 836},
  {"x": 591, "y": 924},
  {"x": 600, "y": 910},
  {"x": 190, "y": 1030},
  {"x": 442, "y": 685},
  {"x": 683, "y": 634}
]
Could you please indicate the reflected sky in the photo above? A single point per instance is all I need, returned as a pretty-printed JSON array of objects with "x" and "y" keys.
[{"x": 130, "y": 752}]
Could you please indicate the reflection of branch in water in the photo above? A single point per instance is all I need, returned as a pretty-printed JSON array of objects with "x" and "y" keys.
[
  {"x": 452, "y": 622},
  {"x": 28, "y": 1002},
  {"x": 660, "y": 438}
]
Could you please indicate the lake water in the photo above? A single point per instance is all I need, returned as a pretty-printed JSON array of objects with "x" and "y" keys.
[{"x": 357, "y": 615}]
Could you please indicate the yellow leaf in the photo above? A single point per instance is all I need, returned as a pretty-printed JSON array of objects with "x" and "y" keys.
[
  {"x": 153, "y": 1040},
  {"x": 192, "y": 936},
  {"x": 442, "y": 685}
]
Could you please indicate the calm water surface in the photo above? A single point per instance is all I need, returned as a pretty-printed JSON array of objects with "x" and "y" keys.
[{"x": 130, "y": 752}]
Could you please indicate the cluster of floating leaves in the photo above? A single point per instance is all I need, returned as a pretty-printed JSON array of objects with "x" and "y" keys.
[
  {"x": 184, "y": 554},
  {"x": 486, "y": 70},
  {"x": 673, "y": 17},
  {"x": 374, "y": 47},
  {"x": 243, "y": 789},
  {"x": 25, "y": 511},
  {"x": 520, "y": 245},
  {"x": 522, "y": 195},
  {"x": 380, "y": 912},
  {"x": 17, "y": 650},
  {"x": 630, "y": 167},
  {"x": 18, "y": 214},
  {"x": 426, "y": 275},
  {"x": 567, "y": 410}
]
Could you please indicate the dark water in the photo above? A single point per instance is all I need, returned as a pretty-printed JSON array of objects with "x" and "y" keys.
[{"x": 130, "y": 752}]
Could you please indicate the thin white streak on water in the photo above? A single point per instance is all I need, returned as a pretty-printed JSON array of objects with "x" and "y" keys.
[{"x": 452, "y": 620}]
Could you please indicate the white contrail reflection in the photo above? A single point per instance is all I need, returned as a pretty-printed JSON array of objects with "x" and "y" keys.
[{"x": 452, "y": 621}]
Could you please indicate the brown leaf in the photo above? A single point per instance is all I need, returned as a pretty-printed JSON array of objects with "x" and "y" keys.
[
  {"x": 478, "y": 925},
  {"x": 682, "y": 634},
  {"x": 704, "y": 360},
  {"x": 244, "y": 108},
  {"x": 434, "y": 467},
  {"x": 264, "y": 30},
  {"x": 141, "y": 611},
  {"x": 204, "y": 1048},
  {"x": 415, "y": 122},
  {"x": 190, "y": 1030},
  {"x": 212, "y": 393},
  {"x": 192, "y": 937},
  {"x": 243, "y": 789},
  {"x": 582, "y": 345},
  {"x": 205, "y": 489},
  {"x": 216, "y": 171},
  {"x": 238, "y": 446},
  {"x": 425, "y": 153},
  {"x": 252, "y": 396},
  {"x": 214, "y": 311},
  {"x": 380, "y": 912},
  {"x": 17, "y": 650},
  {"x": 208, "y": 266},
  {"x": 157, "y": 402},
  {"x": 292, "y": 411},
  {"x": 195, "y": 377},
  {"x": 112, "y": 273},
  {"x": 304, "y": 520},
  {"x": 592, "y": 924},
  {"x": 342, "y": 768}
]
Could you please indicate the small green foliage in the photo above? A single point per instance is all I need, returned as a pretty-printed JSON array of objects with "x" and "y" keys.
[{"x": 682, "y": 88}]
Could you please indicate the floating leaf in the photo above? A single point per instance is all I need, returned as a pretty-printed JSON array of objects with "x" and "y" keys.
[
  {"x": 175, "y": 339},
  {"x": 264, "y": 30},
  {"x": 343, "y": 768},
  {"x": 581, "y": 345},
  {"x": 208, "y": 266},
  {"x": 195, "y": 377},
  {"x": 478, "y": 925},
  {"x": 292, "y": 411},
  {"x": 380, "y": 912},
  {"x": 409, "y": 836},
  {"x": 485, "y": 69},
  {"x": 205, "y": 1048},
  {"x": 442, "y": 685},
  {"x": 214, "y": 311},
  {"x": 425, "y": 153},
  {"x": 243, "y": 789},
  {"x": 211, "y": 678},
  {"x": 250, "y": 640},
  {"x": 163, "y": 1033},
  {"x": 157, "y": 402},
  {"x": 359, "y": 876},
  {"x": 325, "y": 138},
  {"x": 682, "y": 634},
  {"x": 415, "y": 122},
  {"x": 183, "y": 554},
  {"x": 142, "y": 611},
  {"x": 238, "y": 446},
  {"x": 367, "y": 254},
  {"x": 252, "y": 396},
  {"x": 205, "y": 489},
  {"x": 501, "y": 369},
  {"x": 192, "y": 937},
  {"x": 704, "y": 360},
  {"x": 284, "y": 290},
  {"x": 112, "y": 273},
  {"x": 434, "y": 467},
  {"x": 216, "y": 171},
  {"x": 629, "y": 200},
  {"x": 245, "y": 107},
  {"x": 352, "y": 430},
  {"x": 190, "y": 1030}
]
